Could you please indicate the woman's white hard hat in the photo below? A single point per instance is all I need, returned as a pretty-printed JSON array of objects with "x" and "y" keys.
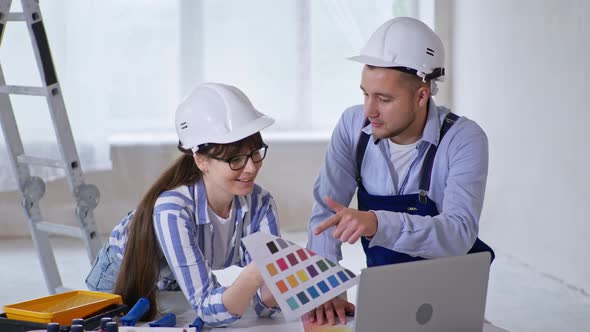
[{"x": 217, "y": 113}]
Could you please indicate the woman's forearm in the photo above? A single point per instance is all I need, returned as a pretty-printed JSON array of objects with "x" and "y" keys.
[
  {"x": 236, "y": 298},
  {"x": 267, "y": 298}
]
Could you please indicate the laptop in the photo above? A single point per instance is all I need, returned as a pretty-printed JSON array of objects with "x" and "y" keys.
[{"x": 444, "y": 294}]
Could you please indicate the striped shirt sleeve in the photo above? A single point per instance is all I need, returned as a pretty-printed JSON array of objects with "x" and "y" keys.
[
  {"x": 176, "y": 234},
  {"x": 265, "y": 220}
]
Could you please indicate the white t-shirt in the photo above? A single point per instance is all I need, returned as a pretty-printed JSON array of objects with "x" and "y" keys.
[
  {"x": 402, "y": 157},
  {"x": 223, "y": 230}
]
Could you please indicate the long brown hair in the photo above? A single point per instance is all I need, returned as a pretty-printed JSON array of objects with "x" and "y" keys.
[{"x": 140, "y": 267}]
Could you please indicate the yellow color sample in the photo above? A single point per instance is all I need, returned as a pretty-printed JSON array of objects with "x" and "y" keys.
[
  {"x": 292, "y": 281},
  {"x": 302, "y": 276},
  {"x": 271, "y": 269}
]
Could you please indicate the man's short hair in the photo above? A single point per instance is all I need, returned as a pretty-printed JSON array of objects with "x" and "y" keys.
[
  {"x": 412, "y": 81},
  {"x": 408, "y": 79}
]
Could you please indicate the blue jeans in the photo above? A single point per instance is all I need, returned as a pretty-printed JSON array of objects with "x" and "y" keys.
[{"x": 104, "y": 272}]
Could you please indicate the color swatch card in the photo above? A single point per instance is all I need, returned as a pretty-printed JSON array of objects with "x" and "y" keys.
[{"x": 298, "y": 279}]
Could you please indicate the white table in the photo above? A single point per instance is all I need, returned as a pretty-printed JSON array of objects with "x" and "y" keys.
[{"x": 176, "y": 303}]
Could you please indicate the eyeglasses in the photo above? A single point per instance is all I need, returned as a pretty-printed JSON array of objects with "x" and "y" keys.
[{"x": 238, "y": 162}]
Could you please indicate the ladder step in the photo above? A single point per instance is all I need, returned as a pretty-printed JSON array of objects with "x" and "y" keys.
[
  {"x": 16, "y": 17},
  {"x": 66, "y": 230},
  {"x": 30, "y": 160},
  {"x": 23, "y": 90}
]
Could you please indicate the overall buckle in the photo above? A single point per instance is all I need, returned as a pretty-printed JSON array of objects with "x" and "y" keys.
[{"x": 423, "y": 198}]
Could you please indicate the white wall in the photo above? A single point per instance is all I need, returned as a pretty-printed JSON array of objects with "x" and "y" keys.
[{"x": 520, "y": 70}]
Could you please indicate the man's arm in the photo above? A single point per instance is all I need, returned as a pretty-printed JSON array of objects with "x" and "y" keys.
[
  {"x": 455, "y": 229},
  {"x": 337, "y": 181}
]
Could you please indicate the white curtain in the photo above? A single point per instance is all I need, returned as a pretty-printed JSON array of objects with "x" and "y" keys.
[
  {"x": 117, "y": 66},
  {"x": 74, "y": 39},
  {"x": 124, "y": 66},
  {"x": 297, "y": 74}
]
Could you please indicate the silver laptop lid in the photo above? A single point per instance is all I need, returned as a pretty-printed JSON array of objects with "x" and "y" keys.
[{"x": 445, "y": 294}]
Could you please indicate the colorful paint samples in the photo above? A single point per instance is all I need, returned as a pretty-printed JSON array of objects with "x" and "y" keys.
[{"x": 299, "y": 279}]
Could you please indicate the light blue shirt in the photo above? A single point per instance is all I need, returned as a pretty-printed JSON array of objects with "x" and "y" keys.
[
  {"x": 186, "y": 235},
  {"x": 457, "y": 187}
]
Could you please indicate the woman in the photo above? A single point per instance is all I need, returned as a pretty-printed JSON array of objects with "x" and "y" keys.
[{"x": 192, "y": 219}]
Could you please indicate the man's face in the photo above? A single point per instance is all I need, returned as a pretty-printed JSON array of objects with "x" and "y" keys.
[{"x": 390, "y": 104}]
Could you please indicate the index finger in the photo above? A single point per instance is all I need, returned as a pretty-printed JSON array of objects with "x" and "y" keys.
[{"x": 333, "y": 220}]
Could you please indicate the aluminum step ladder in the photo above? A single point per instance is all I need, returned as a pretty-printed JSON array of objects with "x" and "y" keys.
[{"x": 32, "y": 188}]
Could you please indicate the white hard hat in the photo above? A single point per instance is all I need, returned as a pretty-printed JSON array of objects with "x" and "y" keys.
[
  {"x": 217, "y": 113},
  {"x": 407, "y": 43}
]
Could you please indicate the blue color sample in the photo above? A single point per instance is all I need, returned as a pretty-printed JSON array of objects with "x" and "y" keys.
[
  {"x": 333, "y": 281},
  {"x": 342, "y": 276},
  {"x": 292, "y": 303},
  {"x": 313, "y": 292},
  {"x": 303, "y": 298},
  {"x": 323, "y": 287}
]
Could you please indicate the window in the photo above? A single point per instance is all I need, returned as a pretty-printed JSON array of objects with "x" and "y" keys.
[
  {"x": 288, "y": 56},
  {"x": 125, "y": 66}
]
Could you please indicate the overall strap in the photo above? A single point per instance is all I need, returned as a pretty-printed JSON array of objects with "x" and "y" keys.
[
  {"x": 360, "y": 153},
  {"x": 426, "y": 172}
]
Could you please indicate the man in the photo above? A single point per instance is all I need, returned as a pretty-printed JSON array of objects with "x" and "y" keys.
[{"x": 420, "y": 171}]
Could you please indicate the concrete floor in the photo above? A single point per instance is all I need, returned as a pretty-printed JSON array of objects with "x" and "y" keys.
[{"x": 519, "y": 298}]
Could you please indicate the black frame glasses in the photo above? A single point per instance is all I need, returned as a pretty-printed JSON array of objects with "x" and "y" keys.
[{"x": 239, "y": 161}]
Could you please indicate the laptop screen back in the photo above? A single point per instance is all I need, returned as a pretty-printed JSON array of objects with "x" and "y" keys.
[{"x": 445, "y": 294}]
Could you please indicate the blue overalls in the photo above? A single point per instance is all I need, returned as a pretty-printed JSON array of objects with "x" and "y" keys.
[{"x": 417, "y": 204}]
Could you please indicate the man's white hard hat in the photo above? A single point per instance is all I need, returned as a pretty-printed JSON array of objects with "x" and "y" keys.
[
  {"x": 405, "y": 43},
  {"x": 217, "y": 113}
]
